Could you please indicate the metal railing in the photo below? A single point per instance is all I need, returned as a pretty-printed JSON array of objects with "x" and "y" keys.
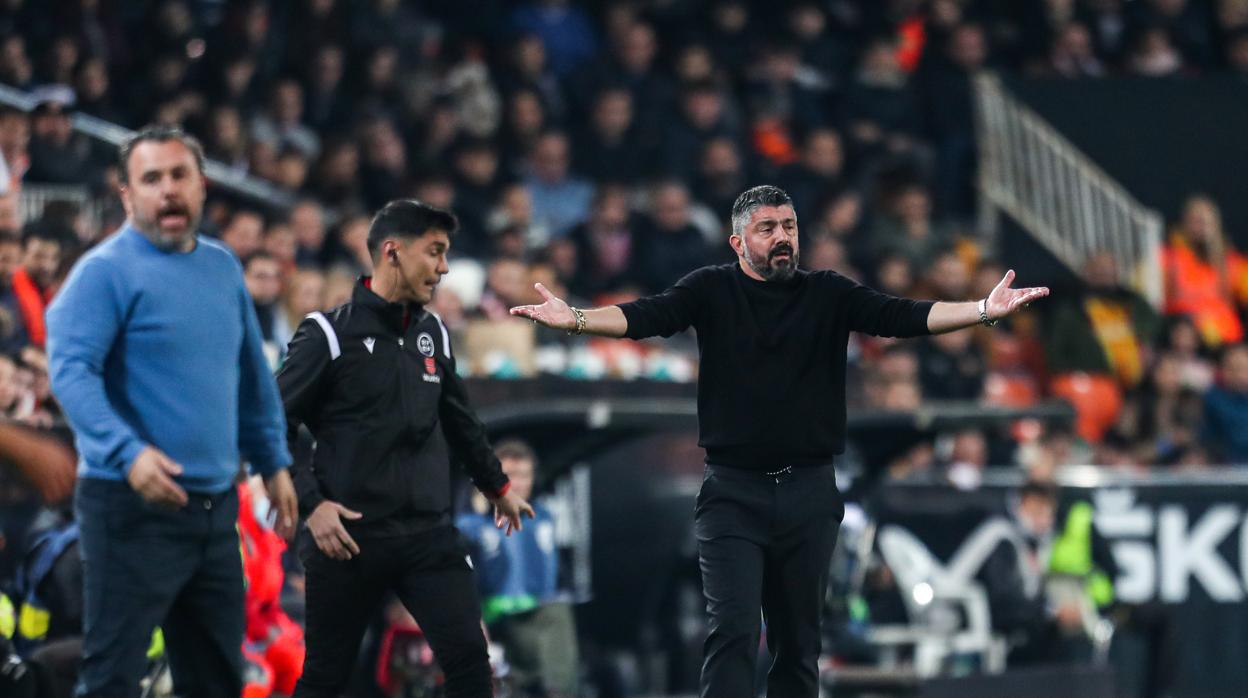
[
  {"x": 218, "y": 174},
  {"x": 35, "y": 196},
  {"x": 1058, "y": 194}
]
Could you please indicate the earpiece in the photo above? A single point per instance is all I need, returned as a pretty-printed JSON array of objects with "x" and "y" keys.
[{"x": 394, "y": 255}]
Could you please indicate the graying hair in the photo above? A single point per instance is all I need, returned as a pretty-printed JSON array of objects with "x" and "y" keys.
[
  {"x": 753, "y": 199},
  {"x": 158, "y": 134}
]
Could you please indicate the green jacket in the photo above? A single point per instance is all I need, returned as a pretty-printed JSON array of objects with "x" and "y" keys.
[
  {"x": 1071, "y": 343},
  {"x": 1072, "y": 554}
]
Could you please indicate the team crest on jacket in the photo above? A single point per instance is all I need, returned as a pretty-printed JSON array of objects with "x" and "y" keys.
[
  {"x": 424, "y": 344},
  {"x": 431, "y": 371},
  {"x": 368, "y": 344}
]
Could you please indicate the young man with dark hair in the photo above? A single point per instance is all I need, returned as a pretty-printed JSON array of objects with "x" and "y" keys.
[
  {"x": 519, "y": 584},
  {"x": 244, "y": 232},
  {"x": 44, "y": 244},
  {"x": 262, "y": 273},
  {"x": 374, "y": 381},
  {"x": 1045, "y": 617},
  {"x": 771, "y": 412},
  {"x": 156, "y": 358}
]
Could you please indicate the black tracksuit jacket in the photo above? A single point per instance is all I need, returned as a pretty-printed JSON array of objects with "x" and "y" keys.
[{"x": 375, "y": 383}]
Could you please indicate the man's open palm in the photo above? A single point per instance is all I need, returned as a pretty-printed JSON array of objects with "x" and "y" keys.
[
  {"x": 553, "y": 313},
  {"x": 1005, "y": 301}
]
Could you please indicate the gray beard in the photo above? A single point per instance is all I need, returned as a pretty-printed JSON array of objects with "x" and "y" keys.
[
  {"x": 166, "y": 242},
  {"x": 772, "y": 272}
]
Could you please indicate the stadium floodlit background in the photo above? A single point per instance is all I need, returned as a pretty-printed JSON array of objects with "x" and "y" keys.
[{"x": 1095, "y": 146}]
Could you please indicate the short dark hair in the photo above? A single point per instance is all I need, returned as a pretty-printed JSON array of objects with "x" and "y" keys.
[
  {"x": 407, "y": 218},
  {"x": 753, "y": 199},
  {"x": 515, "y": 449},
  {"x": 63, "y": 211},
  {"x": 246, "y": 211},
  {"x": 158, "y": 134},
  {"x": 472, "y": 144},
  {"x": 48, "y": 230},
  {"x": 257, "y": 256},
  {"x": 697, "y": 87},
  {"x": 1038, "y": 488}
]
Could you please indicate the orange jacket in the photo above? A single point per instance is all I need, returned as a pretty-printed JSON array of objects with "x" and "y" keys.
[
  {"x": 262, "y": 565},
  {"x": 271, "y": 633},
  {"x": 1193, "y": 289},
  {"x": 33, "y": 302}
]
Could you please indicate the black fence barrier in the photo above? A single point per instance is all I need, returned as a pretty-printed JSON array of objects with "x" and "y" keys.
[
  {"x": 1181, "y": 541},
  {"x": 1181, "y": 544},
  {"x": 1067, "y": 682}
]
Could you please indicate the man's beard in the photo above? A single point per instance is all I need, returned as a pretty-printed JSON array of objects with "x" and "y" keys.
[
  {"x": 769, "y": 267},
  {"x": 169, "y": 242}
]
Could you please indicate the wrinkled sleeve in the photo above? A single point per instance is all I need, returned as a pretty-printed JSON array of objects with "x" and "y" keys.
[
  {"x": 300, "y": 381},
  {"x": 880, "y": 314},
  {"x": 83, "y": 324},
  {"x": 669, "y": 312},
  {"x": 261, "y": 422},
  {"x": 465, "y": 433}
]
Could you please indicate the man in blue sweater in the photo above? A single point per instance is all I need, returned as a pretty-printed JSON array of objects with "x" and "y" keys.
[{"x": 157, "y": 360}]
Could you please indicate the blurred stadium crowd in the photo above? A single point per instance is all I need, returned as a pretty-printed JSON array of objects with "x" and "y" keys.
[{"x": 596, "y": 147}]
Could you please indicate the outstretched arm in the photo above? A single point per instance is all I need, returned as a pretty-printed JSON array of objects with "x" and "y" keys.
[
  {"x": 608, "y": 321},
  {"x": 1003, "y": 301}
]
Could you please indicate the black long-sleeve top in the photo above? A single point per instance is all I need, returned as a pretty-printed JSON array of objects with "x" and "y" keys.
[
  {"x": 771, "y": 384},
  {"x": 375, "y": 383}
]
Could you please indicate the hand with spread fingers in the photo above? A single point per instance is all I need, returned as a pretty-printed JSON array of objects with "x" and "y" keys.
[
  {"x": 553, "y": 313},
  {"x": 330, "y": 535},
  {"x": 507, "y": 511},
  {"x": 1005, "y": 301}
]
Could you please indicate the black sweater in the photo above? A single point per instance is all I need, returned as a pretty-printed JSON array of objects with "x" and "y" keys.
[{"x": 771, "y": 384}]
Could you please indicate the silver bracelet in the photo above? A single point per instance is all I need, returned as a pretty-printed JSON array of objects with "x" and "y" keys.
[{"x": 983, "y": 313}]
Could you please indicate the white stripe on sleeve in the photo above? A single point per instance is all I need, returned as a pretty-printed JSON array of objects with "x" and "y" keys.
[
  {"x": 446, "y": 336},
  {"x": 330, "y": 335}
]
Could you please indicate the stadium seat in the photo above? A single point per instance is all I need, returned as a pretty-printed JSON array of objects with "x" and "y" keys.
[
  {"x": 1096, "y": 399},
  {"x": 1010, "y": 389}
]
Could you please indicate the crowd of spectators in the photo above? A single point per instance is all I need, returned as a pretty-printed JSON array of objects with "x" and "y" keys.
[{"x": 597, "y": 147}]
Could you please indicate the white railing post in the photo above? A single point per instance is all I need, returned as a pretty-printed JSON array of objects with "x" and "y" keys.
[
  {"x": 218, "y": 173},
  {"x": 1060, "y": 196}
]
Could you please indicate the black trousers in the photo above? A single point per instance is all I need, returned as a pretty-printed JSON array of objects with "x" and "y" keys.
[
  {"x": 765, "y": 542},
  {"x": 431, "y": 575},
  {"x": 144, "y": 567}
]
